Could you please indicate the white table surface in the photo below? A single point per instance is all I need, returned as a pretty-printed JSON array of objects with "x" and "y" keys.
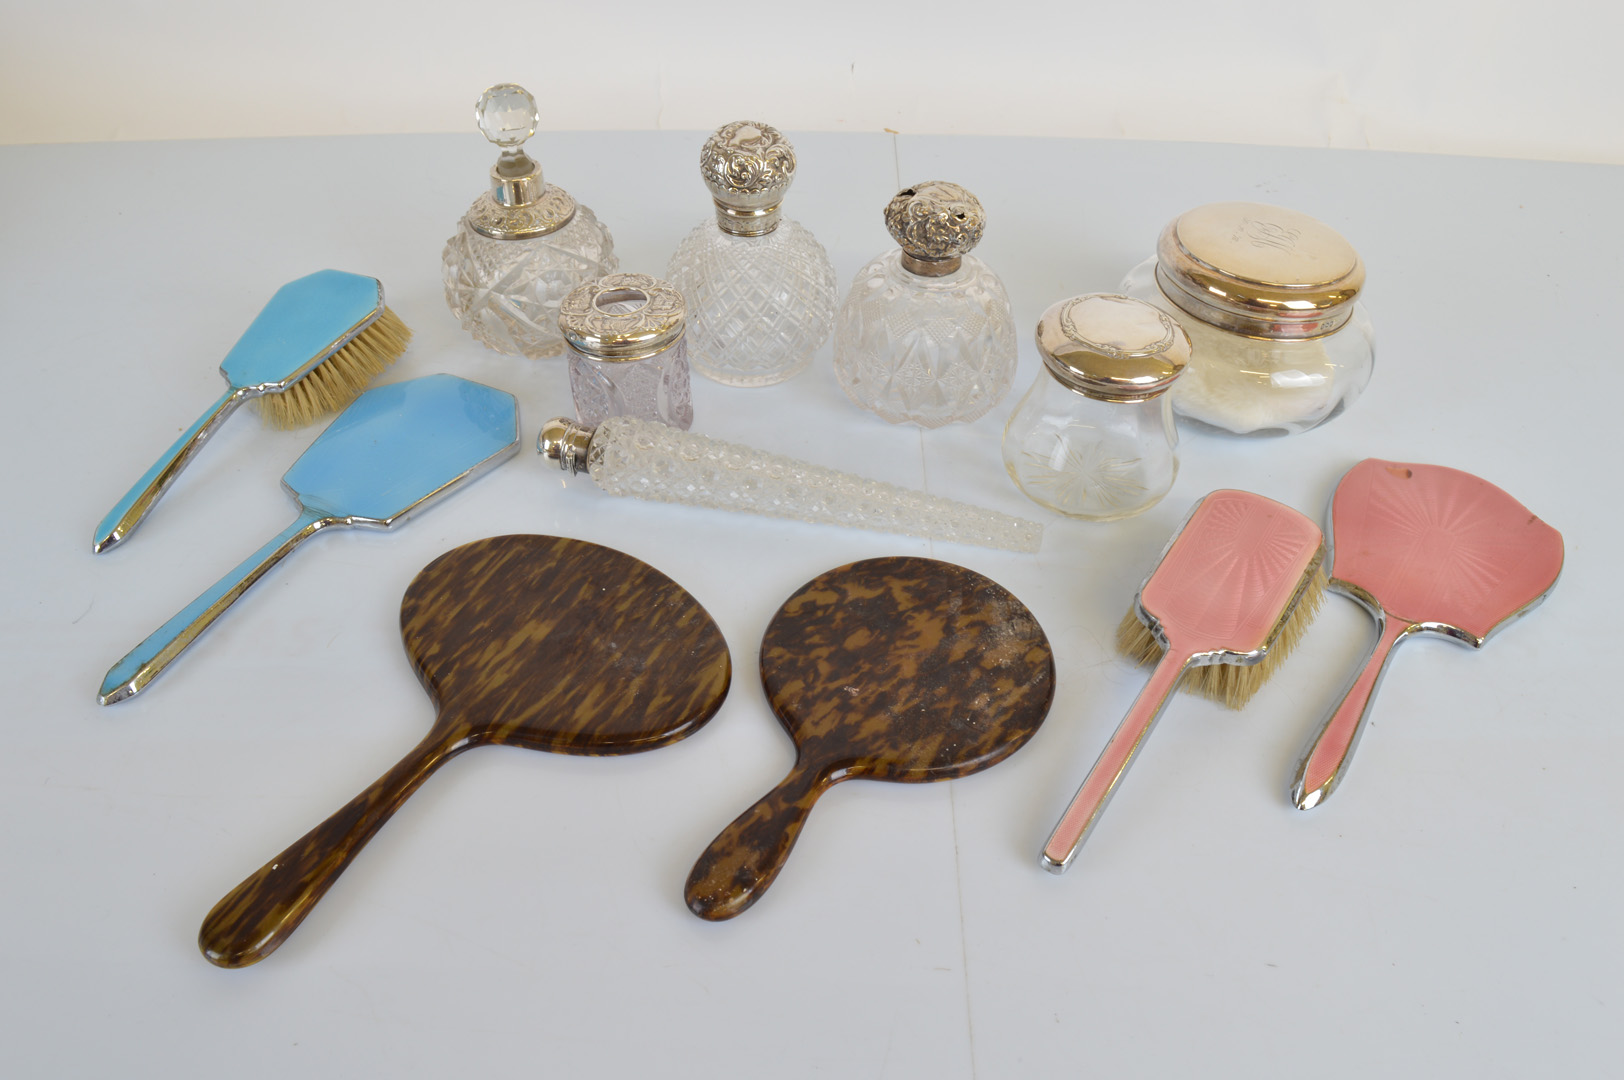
[{"x": 1453, "y": 910}]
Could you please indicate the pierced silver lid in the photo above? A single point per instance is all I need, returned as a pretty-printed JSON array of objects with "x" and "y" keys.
[
  {"x": 622, "y": 317},
  {"x": 520, "y": 204},
  {"x": 936, "y": 223},
  {"x": 747, "y": 166}
]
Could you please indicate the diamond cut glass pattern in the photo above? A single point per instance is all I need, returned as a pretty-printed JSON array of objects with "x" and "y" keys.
[
  {"x": 758, "y": 306},
  {"x": 928, "y": 351}
]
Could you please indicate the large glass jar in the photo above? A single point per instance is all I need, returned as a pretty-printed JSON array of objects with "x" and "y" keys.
[
  {"x": 759, "y": 287},
  {"x": 1269, "y": 298},
  {"x": 1094, "y": 437},
  {"x": 925, "y": 335},
  {"x": 523, "y": 245},
  {"x": 627, "y": 351}
]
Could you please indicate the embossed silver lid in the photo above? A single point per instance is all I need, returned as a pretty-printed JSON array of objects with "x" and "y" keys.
[
  {"x": 622, "y": 317},
  {"x": 520, "y": 204},
  {"x": 747, "y": 166},
  {"x": 936, "y": 223},
  {"x": 1259, "y": 270},
  {"x": 1112, "y": 347}
]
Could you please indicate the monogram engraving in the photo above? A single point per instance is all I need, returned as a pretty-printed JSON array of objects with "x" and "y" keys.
[{"x": 1266, "y": 234}]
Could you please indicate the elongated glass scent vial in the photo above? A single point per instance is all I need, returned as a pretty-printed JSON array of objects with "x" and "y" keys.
[
  {"x": 523, "y": 245},
  {"x": 627, "y": 350},
  {"x": 925, "y": 335},
  {"x": 759, "y": 287},
  {"x": 1269, "y": 298},
  {"x": 1094, "y": 437}
]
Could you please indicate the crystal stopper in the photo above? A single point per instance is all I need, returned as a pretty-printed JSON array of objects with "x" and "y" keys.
[
  {"x": 507, "y": 114},
  {"x": 936, "y": 223},
  {"x": 520, "y": 204},
  {"x": 747, "y": 166}
]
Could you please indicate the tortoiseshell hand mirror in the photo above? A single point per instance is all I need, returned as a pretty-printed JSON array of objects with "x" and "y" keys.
[
  {"x": 901, "y": 669},
  {"x": 534, "y": 641},
  {"x": 1426, "y": 550}
]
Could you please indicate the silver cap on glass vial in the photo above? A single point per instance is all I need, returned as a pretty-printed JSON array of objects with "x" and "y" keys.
[
  {"x": 520, "y": 204},
  {"x": 622, "y": 317},
  {"x": 1111, "y": 347},
  {"x": 937, "y": 223},
  {"x": 747, "y": 166}
]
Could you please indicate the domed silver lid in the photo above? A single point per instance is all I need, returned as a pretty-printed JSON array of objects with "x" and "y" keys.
[
  {"x": 936, "y": 223},
  {"x": 1112, "y": 347},
  {"x": 520, "y": 204},
  {"x": 747, "y": 166}
]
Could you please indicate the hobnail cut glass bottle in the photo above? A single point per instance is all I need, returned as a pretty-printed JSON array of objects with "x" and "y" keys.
[
  {"x": 1268, "y": 297},
  {"x": 925, "y": 334},
  {"x": 628, "y": 352},
  {"x": 523, "y": 245},
  {"x": 1094, "y": 437},
  {"x": 760, "y": 289}
]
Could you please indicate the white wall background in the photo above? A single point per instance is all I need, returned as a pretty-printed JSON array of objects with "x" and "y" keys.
[{"x": 1488, "y": 77}]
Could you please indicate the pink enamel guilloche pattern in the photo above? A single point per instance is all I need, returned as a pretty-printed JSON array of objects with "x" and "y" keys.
[{"x": 1425, "y": 549}]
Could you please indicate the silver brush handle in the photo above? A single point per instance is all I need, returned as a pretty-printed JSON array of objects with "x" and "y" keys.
[{"x": 626, "y": 456}]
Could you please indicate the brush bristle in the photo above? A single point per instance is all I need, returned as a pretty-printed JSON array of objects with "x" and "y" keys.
[
  {"x": 339, "y": 379},
  {"x": 1232, "y": 684}
]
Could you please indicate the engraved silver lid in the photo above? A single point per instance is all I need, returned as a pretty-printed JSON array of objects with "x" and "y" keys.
[
  {"x": 520, "y": 204},
  {"x": 1112, "y": 347},
  {"x": 1259, "y": 270},
  {"x": 936, "y": 223},
  {"x": 747, "y": 166},
  {"x": 622, "y": 317}
]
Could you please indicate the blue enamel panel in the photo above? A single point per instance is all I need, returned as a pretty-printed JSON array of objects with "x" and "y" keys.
[
  {"x": 303, "y": 323},
  {"x": 398, "y": 444}
]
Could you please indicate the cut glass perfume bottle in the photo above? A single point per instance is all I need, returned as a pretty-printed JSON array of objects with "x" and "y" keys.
[
  {"x": 925, "y": 335},
  {"x": 759, "y": 287},
  {"x": 523, "y": 245}
]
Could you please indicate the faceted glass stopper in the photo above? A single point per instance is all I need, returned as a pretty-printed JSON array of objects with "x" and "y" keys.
[{"x": 507, "y": 114}]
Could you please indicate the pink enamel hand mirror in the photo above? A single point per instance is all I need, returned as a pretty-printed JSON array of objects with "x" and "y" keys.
[{"x": 1426, "y": 550}]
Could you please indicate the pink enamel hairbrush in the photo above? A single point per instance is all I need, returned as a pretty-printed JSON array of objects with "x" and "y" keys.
[
  {"x": 1425, "y": 549},
  {"x": 1231, "y": 596}
]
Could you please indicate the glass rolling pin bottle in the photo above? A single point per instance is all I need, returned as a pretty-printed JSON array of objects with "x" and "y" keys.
[
  {"x": 1269, "y": 297},
  {"x": 628, "y": 456},
  {"x": 759, "y": 286},
  {"x": 523, "y": 245},
  {"x": 925, "y": 336}
]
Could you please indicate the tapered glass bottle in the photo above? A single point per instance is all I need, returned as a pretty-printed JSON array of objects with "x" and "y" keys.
[
  {"x": 759, "y": 287},
  {"x": 523, "y": 245},
  {"x": 925, "y": 334}
]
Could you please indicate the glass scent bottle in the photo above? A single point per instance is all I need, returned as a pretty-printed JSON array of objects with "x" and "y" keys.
[
  {"x": 925, "y": 335},
  {"x": 1269, "y": 297},
  {"x": 1094, "y": 438},
  {"x": 523, "y": 245},
  {"x": 627, "y": 351},
  {"x": 759, "y": 287}
]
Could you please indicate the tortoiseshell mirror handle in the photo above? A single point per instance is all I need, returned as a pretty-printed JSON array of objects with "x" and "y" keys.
[
  {"x": 1325, "y": 761},
  {"x": 256, "y": 917},
  {"x": 742, "y": 862}
]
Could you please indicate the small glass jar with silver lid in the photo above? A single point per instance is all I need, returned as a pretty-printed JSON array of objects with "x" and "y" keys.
[
  {"x": 1094, "y": 438},
  {"x": 1269, "y": 298},
  {"x": 627, "y": 354}
]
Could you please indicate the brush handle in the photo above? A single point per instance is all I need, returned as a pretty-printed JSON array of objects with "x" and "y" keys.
[
  {"x": 256, "y": 917},
  {"x": 1325, "y": 761},
  {"x": 122, "y": 519},
  {"x": 147, "y": 660},
  {"x": 744, "y": 860},
  {"x": 1089, "y": 803}
]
